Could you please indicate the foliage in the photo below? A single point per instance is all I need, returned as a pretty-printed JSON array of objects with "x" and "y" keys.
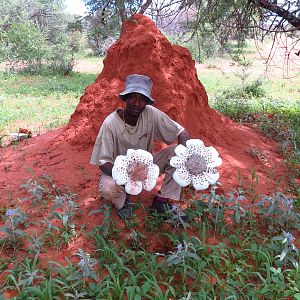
[
  {"x": 201, "y": 45},
  {"x": 23, "y": 42},
  {"x": 37, "y": 191},
  {"x": 35, "y": 36},
  {"x": 289, "y": 251},
  {"x": 63, "y": 210},
  {"x": 214, "y": 25},
  {"x": 124, "y": 265},
  {"x": 177, "y": 217},
  {"x": 101, "y": 35},
  {"x": 12, "y": 228},
  {"x": 85, "y": 266}
]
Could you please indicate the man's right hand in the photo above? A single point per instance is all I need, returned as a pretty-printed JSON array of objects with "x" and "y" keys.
[{"x": 120, "y": 188}]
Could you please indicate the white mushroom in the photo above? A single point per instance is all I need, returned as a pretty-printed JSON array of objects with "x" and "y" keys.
[
  {"x": 136, "y": 171},
  {"x": 195, "y": 164}
]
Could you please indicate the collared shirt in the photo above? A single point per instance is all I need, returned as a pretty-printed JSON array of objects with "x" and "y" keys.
[{"x": 115, "y": 137}]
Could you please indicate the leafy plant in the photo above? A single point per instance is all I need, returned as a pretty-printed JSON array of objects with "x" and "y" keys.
[
  {"x": 35, "y": 244},
  {"x": 85, "y": 266},
  {"x": 234, "y": 204},
  {"x": 64, "y": 210},
  {"x": 289, "y": 251},
  {"x": 106, "y": 223},
  {"x": 36, "y": 190},
  {"x": 278, "y": 210},
  {"x": 182, "y": 258},
  {"x": 136, "y": 239},
  {"x": 14, "y": 220},
  {"x": 177, "y": 217},
  {"x": 24, "y": 275}
]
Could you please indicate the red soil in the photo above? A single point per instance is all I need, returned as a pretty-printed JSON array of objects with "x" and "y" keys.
[{"x": 65, "y": 153}]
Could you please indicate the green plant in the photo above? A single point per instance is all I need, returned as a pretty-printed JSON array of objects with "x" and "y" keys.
[
  {"x": 36, "y": 190},
  {"x": 234, "y": 204},
  {"x": 177, "y": 217},
  {"x": 24, "y": 275},
  {"x": 35, "y": 244},
  {"x": 181, "y": 259},
  {"x": 85, "y": 267},
  {"x": 14, "y": 220},
  {"x": 278, "y": 210},
  {"x": 216, "y": 207},
  {"x": 64, "y": 210},
  {"x": 289, "y": 252},
  {"x": 66, "y": 280},
  {"x": 136, "y": 239},
  {"x": 105, "y": 227}
]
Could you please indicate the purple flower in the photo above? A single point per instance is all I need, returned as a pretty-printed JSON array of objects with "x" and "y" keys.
[
  {"x": 179, "y": 248},
  {"x": 289, "y": 238},
  {"x": 241, "y": 198},
  {"x": 174, "y": 208},
  {"x": 10, "y": 212},
  {"x": 289, "y": 203}
]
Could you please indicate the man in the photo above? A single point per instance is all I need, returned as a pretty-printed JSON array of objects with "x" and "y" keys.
[{"x": 136, "y": 127}]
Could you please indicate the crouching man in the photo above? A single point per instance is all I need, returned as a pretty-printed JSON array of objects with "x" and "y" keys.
[{"x": 136, "y": 127}]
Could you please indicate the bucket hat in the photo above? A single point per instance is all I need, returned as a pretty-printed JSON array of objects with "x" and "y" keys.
[{"x": 141, "y": 84}]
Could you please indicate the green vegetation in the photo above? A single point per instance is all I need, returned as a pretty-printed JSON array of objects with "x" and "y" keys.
[
  {"x": 235, "y": 249},
  {"x": 38, "y": 36},
  {"x": 39, "y": 102}
]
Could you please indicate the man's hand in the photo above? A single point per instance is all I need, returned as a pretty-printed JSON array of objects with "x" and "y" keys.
[
  {"x": 183, "y": 137},
  {"x": 120, "y": 188}
]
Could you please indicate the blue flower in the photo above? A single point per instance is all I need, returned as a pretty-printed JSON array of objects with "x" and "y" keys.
[
  {"x": 179, "y": 248},
  {"x": 289, "y": 238},
  {"x": 10, "y": 212},
  {"x": 241, "y": 198},
  {"x": 289, "y": 203},
  {"x": 174, "y": 208}
]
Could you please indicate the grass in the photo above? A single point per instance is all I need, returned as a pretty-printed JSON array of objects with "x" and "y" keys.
[
  {"x": 253, "y": 256},
  {"x": 215, "y": 81},
  {"x": 39, "y": 103}
]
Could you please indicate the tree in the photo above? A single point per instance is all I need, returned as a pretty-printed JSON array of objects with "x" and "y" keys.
[
  {"x": 224, "y": 19},
  {"x": 35, "y": 33}
]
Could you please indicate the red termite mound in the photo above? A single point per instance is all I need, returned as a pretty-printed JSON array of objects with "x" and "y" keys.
[
  {"x": 65, "y": 153},
  {"x": 142, "y": 49}
]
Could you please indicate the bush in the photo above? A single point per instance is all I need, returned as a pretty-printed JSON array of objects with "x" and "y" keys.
[
  {"x": 38, "y": 36},
  {"x": 24, "y": 43}
]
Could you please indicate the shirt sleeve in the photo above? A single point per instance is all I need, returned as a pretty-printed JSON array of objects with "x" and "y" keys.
[
  {"x": 165, "y": 129},
  {"x": 103, "y": 149}
]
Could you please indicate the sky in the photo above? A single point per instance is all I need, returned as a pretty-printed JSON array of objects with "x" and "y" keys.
[{"x": 75, "y": 7}]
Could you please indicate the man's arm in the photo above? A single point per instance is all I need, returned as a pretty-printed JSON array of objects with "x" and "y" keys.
[
  {"x": 183, "y": 137},
  {"x": 107, "y": 168}
]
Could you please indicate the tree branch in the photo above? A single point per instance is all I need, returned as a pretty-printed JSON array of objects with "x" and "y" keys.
[
  {"x": 145, "y": 6},
  {"x": 280, "y": 11}
]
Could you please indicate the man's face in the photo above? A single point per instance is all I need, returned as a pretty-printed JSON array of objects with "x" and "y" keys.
[{"x": 135, "y": 103}]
